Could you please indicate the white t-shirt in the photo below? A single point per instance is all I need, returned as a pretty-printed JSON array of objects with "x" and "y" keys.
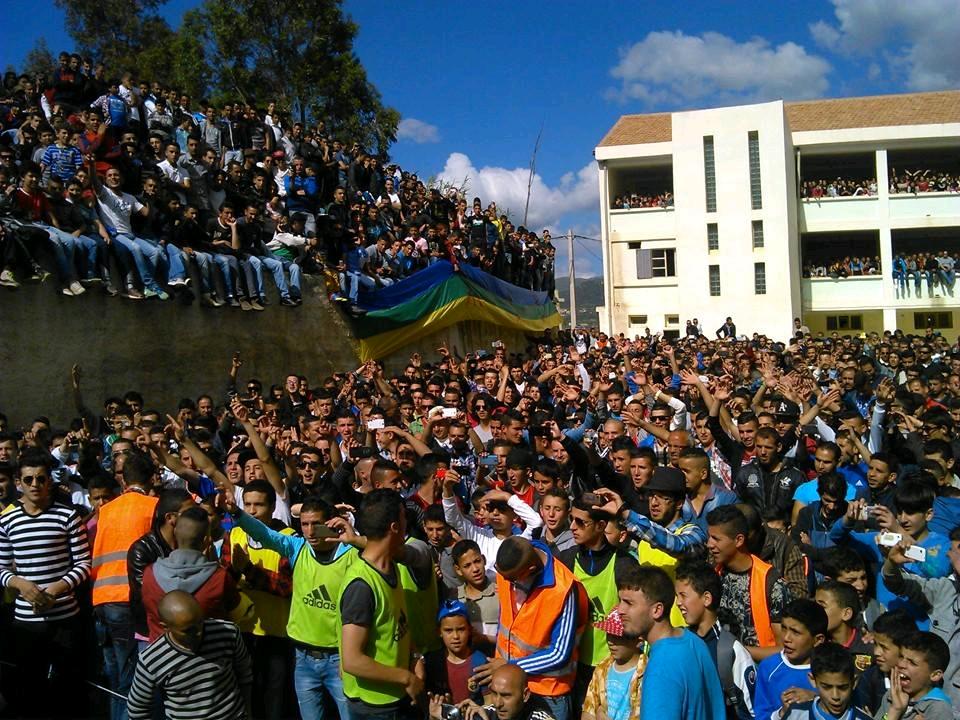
[
  {"x": 115, "y": 210},
  {"x": 281, "y": 512}
]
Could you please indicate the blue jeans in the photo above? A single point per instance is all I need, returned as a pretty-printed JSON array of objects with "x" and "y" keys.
[
  {"x": 310, "y": 676},
  {"x": 355, "y": 279},
  {"x": 947, "y": 278},
  {"x": 88, "y": 247},
  {"x": 64, "y": 249},
  {"x": 114, "y": 624},
  {"x": 146, "y": 257},
  {"x": 175, "y": 261},
  {"x": 559, "y": 706},
  {"x": 230, "y": 269},
  {"x": 275, "y": 266}
]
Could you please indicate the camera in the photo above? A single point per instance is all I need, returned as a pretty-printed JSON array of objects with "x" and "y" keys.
[{"x": 450, "y": 712}]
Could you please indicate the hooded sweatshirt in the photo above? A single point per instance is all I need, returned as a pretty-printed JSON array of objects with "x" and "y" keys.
[
  {"x": 935, "y": 705},
  {"x": 188, "y": 570}
]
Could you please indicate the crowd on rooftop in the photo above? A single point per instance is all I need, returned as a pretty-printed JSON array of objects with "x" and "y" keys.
[
  {"x": 134, "y": 186},
  {"x": 583, "y": 526}
]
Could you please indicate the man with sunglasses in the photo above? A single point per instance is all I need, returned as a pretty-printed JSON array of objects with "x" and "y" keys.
[{"x": 44, "y": 556}]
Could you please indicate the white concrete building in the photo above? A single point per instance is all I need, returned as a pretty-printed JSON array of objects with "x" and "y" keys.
[{"x": 738, "y": 233}]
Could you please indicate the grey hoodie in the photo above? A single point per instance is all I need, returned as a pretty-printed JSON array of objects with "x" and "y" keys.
[
  {"x": 185, "y": 570},
  {"x": 941, "y": 598}
]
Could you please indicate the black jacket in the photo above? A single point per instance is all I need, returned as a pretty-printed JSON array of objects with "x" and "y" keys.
[
  {"x": 144, "y": 552},
  {"x": 771, "y": 493}
]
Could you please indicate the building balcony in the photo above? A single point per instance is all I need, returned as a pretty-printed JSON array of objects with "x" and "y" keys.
[
  {"x": 909, "y": 206},
  {"x": 850, "y": 293},
  {"x": 847, "y": 212},
  {"x": 642, "y": 224},
  {"x": 868, "y": 293}
]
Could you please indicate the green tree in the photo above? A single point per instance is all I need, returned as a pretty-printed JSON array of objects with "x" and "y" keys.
[
  {"x": 116, "y": 32},
  {"x": 298, "y": 53},
  {"x": 39, "y": 61}
]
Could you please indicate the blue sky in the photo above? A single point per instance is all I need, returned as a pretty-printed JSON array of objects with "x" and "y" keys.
[{"x": 474, "y": 83}]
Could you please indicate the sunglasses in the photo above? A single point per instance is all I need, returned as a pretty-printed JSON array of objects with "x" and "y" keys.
[
  {"x": 479, "y": 406},
  {"x": 34, "y": 479},
  {"x": 309, "y": 464}
]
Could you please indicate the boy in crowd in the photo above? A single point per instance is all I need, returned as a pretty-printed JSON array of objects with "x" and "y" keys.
[
  {"x": 889, "y": 630},
  {"x": 941, "y": 596},
  {"x": 845, "y": 565},
  {"x": 448, "y": 670},
  {"x": 842, "y": 606},
  {"x": 784, "y": 679},
  {"x": 555, "y": 511},
  {"x": 478, "y": 593},
  {"x": 698, "y": 590},
  {"x": 614, "y": 690},
  {"x": 753, "y": 592},
  {"x": 915, "y": 683},
  {"x": 832, "y": 674}
]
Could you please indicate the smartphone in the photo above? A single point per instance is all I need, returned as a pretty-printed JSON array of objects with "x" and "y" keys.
[
  {"x": 376, "y": 424},
  {"x": 592, "y": 499},
  {"x": 916, "y": 553},
  {"x": 327, "y": 532},
  {"x": 449, "y": 412},
  {"x": 889, "y": 539},
  {"x": 612, "y": 376},
  {"x": 866, "y": 511},
  {"x": 489, "y": 460}
]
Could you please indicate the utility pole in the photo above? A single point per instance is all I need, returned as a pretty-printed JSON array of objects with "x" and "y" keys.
[{"x": 572, "y": 277}]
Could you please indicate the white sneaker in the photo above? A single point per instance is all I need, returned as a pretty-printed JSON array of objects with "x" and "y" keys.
[
  {"x": 67, "y": 291},
  {"x": 8, "y": 280},
  {"x": 77, "y": 288}
]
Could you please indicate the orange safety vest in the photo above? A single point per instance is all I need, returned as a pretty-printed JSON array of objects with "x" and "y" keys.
[
  {"x": 758, "y": 602},
  {"x": 121, "y": 522},
  {"x": 527, "y": 630}
]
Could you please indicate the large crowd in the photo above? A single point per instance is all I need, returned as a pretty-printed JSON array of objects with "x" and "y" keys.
[
  {"x": 588, "y": 526},
  {"x": 635, "y": 201},
  {"x": 923, "y": 181},
  {"x": 140, "y": 189},
  {"x": 838, "y": 187}
]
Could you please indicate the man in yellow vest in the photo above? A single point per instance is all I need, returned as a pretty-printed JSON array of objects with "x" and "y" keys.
[
  {"x": 319, "y": 561},
  {"x": 597, "y": 564},
  {"x": 375, "y": 640},
  {"x": 121, "y": 523},
  {"x": 265, "y": 576}
]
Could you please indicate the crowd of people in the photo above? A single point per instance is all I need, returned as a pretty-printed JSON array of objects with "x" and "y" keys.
[
  {"x": 140, "y": 189},
  {"x": 838, "y": 187},
  {"x": 634, "y": 201},
  {"x": 923, "y": 181},
  {"x": 911, "y": 271},
  {"x": 589, "y": 526}
]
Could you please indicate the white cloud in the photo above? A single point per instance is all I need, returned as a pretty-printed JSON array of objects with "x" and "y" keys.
[
  {"x": 666, "y": 68},
  {"x": 507, "y": 187},
  {"x": 914, "y": 42},
  {"x": 417, "y": 131}
]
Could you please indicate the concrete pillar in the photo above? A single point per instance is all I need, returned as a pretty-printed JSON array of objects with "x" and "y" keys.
[{"x": 889, "y": 318}]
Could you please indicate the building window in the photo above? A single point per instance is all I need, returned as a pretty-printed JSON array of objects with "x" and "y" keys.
[
  {"x": 713, "y": 237},
  {"x": 936, "y": 320},
  {"x": 714, "y": 280},
  {"x": 671, "y": 319},
  {"x": 638, "y": 319},
  {"x": 845, "y": 322},
  {"x": 757, "y": 226},
  {"x": 756, "y": 198},
  {"x": 709, "y": 173},
  {"x": 655, "y": 263},
  {"x": 760, "y": 278}
]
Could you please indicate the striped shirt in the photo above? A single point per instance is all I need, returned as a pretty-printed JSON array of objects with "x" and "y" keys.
[
  {"x": 62, "y": 161},
  {"x": 43, "y": 549},
  {"x": 203, "y": 684}
]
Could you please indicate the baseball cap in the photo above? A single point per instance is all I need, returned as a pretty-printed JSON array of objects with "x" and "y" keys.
[
  {"x": 667, "y": 480},
  {"x": 451, "y": 608},
  {"x": 787, "y": 408},
  {"x": 612, "y": 624}
]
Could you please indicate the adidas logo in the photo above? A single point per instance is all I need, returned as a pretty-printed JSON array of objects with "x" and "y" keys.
[
  {"x": 597, "y": 613},
  {"x": 320, "y": 598}
]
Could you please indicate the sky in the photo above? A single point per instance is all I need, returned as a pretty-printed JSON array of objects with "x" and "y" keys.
[{"x": 476, "y": 82}]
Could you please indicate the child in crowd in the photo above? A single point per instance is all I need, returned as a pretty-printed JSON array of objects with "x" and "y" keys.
[
  {"x": 888, "y": 633},
  {"x": 784, "y": 678},
  {"x": 832, "y": 673},
  {"x": 478, "y": 593},
  {"x": 845, "y": 565},
  {"x": 941, "y": 596},
  {"x": 449, "y": 669},
  {"x": 614, "y": 690},
  {"x": 915, "y": 683},
  {"x": 698, "y": 599},
  {"x": 842, "y": 606}
]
